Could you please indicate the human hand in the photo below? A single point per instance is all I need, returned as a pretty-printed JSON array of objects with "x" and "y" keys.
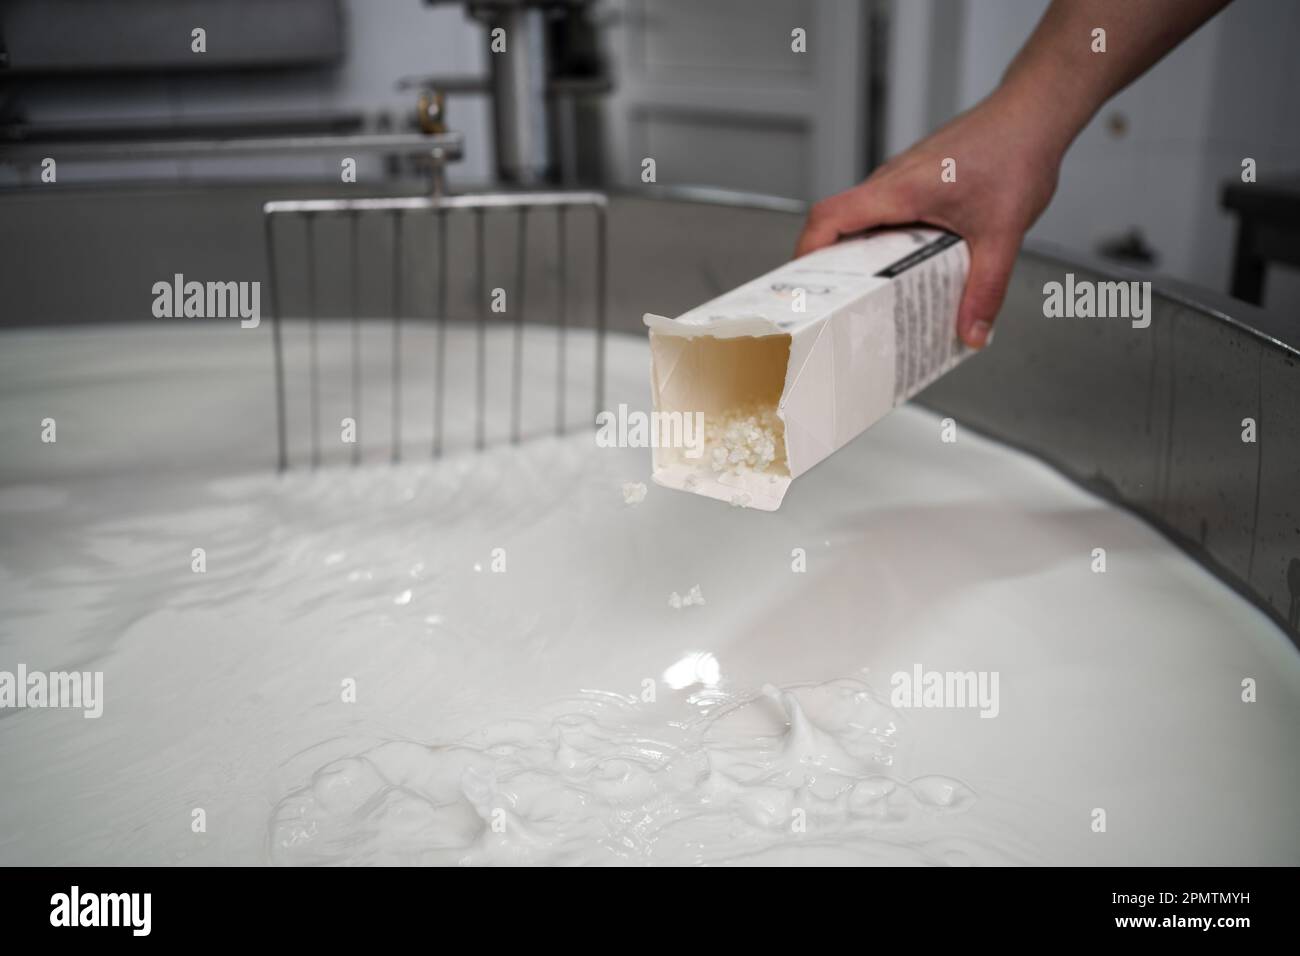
[{"x": 1006, "y": 166}]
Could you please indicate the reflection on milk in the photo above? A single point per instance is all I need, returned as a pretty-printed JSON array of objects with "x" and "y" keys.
[{"x": 700, "y": 668}]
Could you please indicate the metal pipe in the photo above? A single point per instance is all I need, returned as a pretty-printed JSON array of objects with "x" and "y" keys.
[
  {"x": 449, "y": 146},
  {"x": 519, "y": 92},
  {"x": 502, "y": 200}
]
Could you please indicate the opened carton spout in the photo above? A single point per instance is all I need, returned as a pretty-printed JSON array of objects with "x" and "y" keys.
[{"x": 791, "y": 366}]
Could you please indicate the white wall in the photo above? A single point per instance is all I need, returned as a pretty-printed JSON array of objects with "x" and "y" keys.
[{"x": 1229, "y": 92}]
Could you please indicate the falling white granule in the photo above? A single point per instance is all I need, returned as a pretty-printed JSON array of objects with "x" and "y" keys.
[
  {"x": 747, "y": 439},
  {"x": 633, "y": 492},
  {"x": 694, "y": 596}
]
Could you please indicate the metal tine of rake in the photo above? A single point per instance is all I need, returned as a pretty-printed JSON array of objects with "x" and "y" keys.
[
  {"x": 600, "y": 311},
  {"x": 562, "y": 311},
  {"x": 312, "y": 336},
  {"x": 397, "y": 336},
  {"x": 354, "y": 223},
  {"x": 281, "y": 424},
  {"x": 517, "y": 370},
  {"x": 480, "y": 378},
  {"x": 440, "y": 357},
  {"x": 441, "y": 207}
]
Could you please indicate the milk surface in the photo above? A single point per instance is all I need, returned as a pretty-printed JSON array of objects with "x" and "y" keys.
[{"x": 561, "y": 710}]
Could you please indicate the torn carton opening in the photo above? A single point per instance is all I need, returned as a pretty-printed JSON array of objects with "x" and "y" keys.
[
  {"x": 736, "y": 384},
  {"x": 789, "y": 367}
]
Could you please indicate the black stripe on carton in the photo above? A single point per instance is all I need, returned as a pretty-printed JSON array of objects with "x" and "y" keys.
[{"x": 918, "y": 256}]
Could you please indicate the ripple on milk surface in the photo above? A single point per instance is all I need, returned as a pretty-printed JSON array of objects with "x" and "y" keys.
[
  {"x": 799, "y": 775},
  {"x": 227, "y": 683},
  {"x": 223, "y": 688}
]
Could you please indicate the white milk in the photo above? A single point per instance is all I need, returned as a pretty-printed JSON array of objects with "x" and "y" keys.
[{"x": 560, "y": 710}]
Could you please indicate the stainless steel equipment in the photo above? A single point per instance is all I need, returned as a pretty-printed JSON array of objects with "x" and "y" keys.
[
  {"x": 521, "y": 208},
  {"x": 439, "y": 148},
  {"x": 543, "y": 59}
]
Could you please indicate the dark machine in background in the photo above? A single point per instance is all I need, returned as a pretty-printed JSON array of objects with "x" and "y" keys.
[{"x": 61, "y": 48}]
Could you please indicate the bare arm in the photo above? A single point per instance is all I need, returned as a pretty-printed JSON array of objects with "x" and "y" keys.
[
  {"x": 1008, "y": 149},
  {"x": 1059, "y": 77}
]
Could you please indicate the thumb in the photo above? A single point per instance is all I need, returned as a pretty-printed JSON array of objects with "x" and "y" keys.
[{"x": 991, "y": 262}]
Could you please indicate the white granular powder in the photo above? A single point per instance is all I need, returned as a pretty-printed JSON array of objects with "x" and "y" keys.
[
  {"x": 694, "y": 596},
  {"x": 747, "y": 439},
  {"x": 633, "y": 492}
]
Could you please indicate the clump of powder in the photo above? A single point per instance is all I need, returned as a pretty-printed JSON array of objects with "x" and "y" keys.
[
  {"x": 694, "y": 596},
  {"x": 633, "y": 492},
  {"x": 746, "y": 439}
]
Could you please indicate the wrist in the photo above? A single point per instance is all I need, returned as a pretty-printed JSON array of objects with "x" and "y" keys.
[{"x": 1048, "y": 106}]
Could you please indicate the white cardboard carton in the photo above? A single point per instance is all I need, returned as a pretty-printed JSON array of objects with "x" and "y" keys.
[{"x": 878, "y": 324}]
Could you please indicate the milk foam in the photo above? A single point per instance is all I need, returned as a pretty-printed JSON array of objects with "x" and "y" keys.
[{"x": 598, "y": 780}]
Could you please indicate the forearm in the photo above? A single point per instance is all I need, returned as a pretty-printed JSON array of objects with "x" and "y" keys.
[{"x": 1061, "y": 82}]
